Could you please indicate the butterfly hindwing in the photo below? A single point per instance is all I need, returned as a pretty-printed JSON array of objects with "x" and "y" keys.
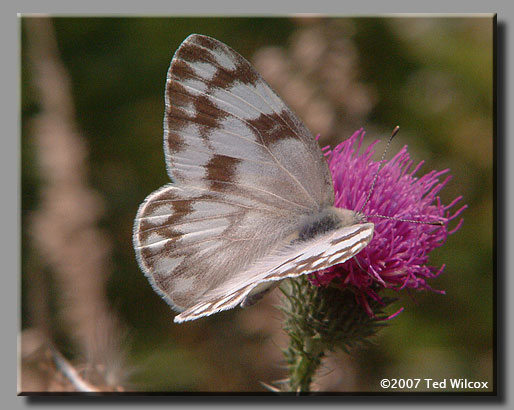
[{"x": 190, "y": 240}]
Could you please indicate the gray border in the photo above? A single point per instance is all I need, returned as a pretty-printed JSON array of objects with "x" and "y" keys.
[{"x": 10, "y": 167}]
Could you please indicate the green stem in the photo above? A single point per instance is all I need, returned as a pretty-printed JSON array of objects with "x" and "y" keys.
[{"x": 303, "y": 362}]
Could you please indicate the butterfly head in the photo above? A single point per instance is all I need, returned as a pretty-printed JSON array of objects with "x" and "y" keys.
[{"x": 349, "y": 217}]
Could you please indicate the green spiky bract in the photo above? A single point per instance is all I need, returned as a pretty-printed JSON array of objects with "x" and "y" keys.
[{"x": 322, "y": 319}]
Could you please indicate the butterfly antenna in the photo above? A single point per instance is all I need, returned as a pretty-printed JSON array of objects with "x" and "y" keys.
[
  {"x": 412, "y": 221},
  {"x": 395, "y": 131},
  {"x": 435, "y": 223}
]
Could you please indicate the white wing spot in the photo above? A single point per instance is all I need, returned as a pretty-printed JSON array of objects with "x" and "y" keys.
[
  {"x": 203, "y": 225},
  {"x": 155, "y": 241},
  {"x": 208, "y": 207},
  {"x": 166, "y": 264},
  {"x": 203, "y": 70},
  {"x": 196, "y": 86},
  {"x": 182, "y": 284},
  {"x": 223, "y": 59}
]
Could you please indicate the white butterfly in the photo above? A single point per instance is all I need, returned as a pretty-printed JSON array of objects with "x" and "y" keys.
[{"x": 251, "y": 201}]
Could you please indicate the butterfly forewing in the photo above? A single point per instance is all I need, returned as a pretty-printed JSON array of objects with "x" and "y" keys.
[
  {"x": 226, "y": 130},
  {"x": 246, "y": 174}
]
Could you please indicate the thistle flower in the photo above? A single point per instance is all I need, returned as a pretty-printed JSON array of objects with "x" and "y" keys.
[
  {"x": 398, "y": 254},
  {"x": 321, "y": 318}
]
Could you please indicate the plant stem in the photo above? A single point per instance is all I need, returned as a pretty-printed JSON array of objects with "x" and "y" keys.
[{"x": 303, "y": 364}]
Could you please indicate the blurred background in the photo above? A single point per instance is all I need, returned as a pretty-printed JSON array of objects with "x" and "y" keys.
[{"x": 91, "y": 141}]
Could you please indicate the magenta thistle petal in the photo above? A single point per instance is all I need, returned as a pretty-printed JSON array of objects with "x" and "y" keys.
[{"x": 397, "y": 256}]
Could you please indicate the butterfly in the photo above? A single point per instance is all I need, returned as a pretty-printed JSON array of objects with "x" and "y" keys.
[{"x": 252, "y": 199}]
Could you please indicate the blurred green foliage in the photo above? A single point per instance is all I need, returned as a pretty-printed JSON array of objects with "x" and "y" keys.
[{"x": 433, "y": 76}]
